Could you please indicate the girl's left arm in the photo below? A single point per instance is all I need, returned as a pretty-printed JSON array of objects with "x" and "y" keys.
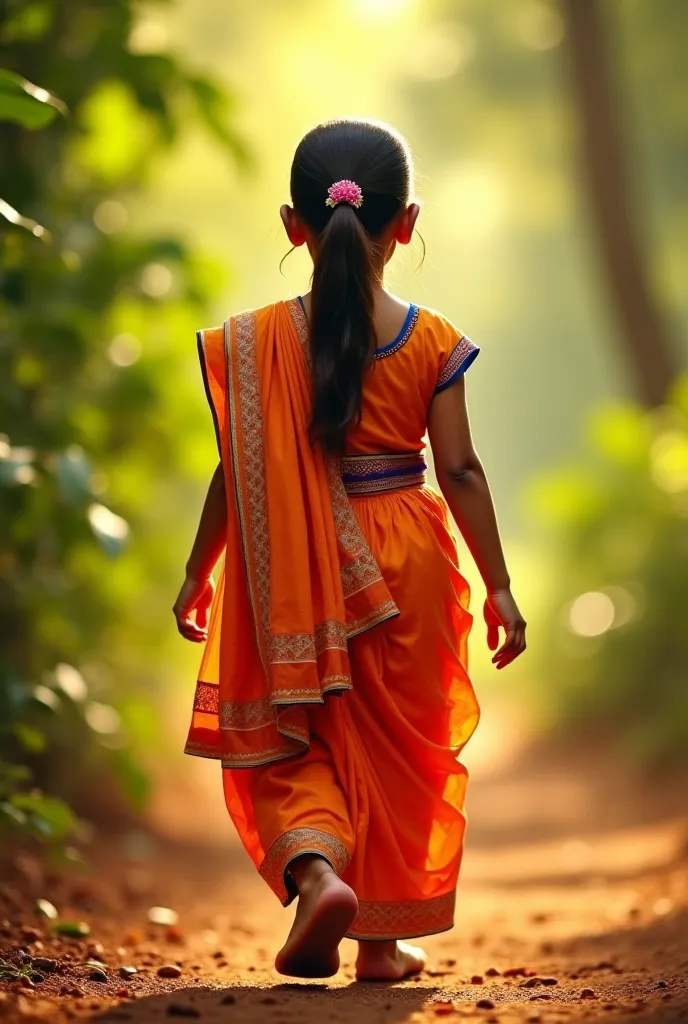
[{"x": 192, "y": 607}]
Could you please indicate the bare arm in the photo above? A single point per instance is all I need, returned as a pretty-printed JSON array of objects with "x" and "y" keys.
[
  {"x": 463, "y": 483},
  {"x": 196, "y": 594}
]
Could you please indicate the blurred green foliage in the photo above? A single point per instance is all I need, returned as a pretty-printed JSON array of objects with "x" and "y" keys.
[
  {"x": 96, "y": 396},
  {"x": 616, "y": 524}
]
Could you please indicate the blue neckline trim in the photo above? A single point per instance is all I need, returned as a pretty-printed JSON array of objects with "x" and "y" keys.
[
  {"x": 403, "y": 335},
  {"x": 401, "y": 338}
]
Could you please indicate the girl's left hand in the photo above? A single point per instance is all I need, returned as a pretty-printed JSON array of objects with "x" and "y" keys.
[{"x": 195, "y": 599}]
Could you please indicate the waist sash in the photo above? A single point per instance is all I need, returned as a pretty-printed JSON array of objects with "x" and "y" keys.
[{"x": 373, "y": 474}]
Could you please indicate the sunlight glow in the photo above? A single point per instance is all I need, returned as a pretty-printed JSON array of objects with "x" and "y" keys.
[
  {"x": 670, "y": 461},
  {"x": 383, "y": 8},
  {"x": 441, "y": 51},
  {"x": 124, "y": 349},
  {"x": 106, "y": 523},
  {"x": 474, "y": 196}
]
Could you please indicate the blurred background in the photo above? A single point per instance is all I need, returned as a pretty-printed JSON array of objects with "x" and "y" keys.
[{"x": 144, "y": 153}]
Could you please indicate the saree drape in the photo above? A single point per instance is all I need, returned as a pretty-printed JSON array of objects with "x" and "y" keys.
[{"x": 333, "y": 685}]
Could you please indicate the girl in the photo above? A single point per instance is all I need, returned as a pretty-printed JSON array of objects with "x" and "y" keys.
[{"x": 333, "y": 684}]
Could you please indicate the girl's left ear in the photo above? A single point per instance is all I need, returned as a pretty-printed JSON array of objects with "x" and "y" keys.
[
  {"x": 406, "y": 224},
  {"x": 296, "y": 232}
]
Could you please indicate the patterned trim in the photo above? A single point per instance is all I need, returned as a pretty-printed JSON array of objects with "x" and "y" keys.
[
  {"x": 456, "y": 363},
  {"x": 245, "y": 715},
  {"x": 403, "y": 335},
  {"x": 372, "y": 474},
  {"x": 251, "y": 496},
  {"x": 207, "y": 698},
  {"x": 297, "y": 647},
  {"x": 293, "y": 844},
  {"x": 388, "y": 610},
  {"x": 403, "y": 919}
]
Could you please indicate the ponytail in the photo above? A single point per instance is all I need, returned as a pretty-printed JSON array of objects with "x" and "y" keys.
[{"x": 342, "y": 332}]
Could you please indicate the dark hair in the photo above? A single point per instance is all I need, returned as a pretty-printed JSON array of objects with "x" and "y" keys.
[{"x": 342, "y": 333}]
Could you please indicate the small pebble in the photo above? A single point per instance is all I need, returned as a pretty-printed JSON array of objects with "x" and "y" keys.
[
  {"x": 477, "y": 979},
  {"x": 169, "y": 971},
  {"x": 588, "y": 993},
  {"x": 660, "y": 984},
  {"x": 95, "y": 950},
  {"x": 163, "y": 915},
  {"x": 450, "y": 962},
  {"x": 182, "y": 1010},
  {"x": 228, "y": 1000},
  {"x": 492, "y": 972},
  {"x": 98, "y": 975},
  {"x": 218, "y": 955},
  {"x": 26, "y": 982},
  {"x": 530, "y": 983},
  {"x": 485, "y": 1004},
  {"x": 174, "y": 934},
  {"x": 42, "y": 963},
  {"x": 123, "y": 993},
  {"x": 549, "y": 981},
  {"x": 443, "y": 1009},
  {"x": 127, "y": 971},
  {"x": 31, "y": 934}
]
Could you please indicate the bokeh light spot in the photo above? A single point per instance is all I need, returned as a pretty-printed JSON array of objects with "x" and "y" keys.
[
  {"x": 156, "y": 280},
  {"x": 591, "y": 614},
  {"x": 110, "y": 217},
  {"x": 441, "y": 51},
  {"x": 71, "y": 681},
  {"x": 124, "y": 349},
  {"x": 102, "y": 718},
  {"x": 539, "y": 26}
]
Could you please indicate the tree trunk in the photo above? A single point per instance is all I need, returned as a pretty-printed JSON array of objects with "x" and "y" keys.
[{"x": 643, "y": 333}]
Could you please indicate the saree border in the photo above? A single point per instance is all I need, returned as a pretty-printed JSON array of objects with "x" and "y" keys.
[
  {"x": 200, "y": 344},
  {"x": 292, "y": 844},
  {"x": 386, "y": 920}
]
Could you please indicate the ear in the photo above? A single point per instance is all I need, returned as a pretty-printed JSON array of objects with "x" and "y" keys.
[
  {"x": 406, "y": 223},
  {"x": 296, "y": 232}
]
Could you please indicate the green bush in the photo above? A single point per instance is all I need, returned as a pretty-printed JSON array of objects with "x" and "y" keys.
[
  {"x": 98, "y": 407},
  {"x": 617, "y": 642}
]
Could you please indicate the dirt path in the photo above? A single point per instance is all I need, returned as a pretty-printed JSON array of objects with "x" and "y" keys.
[{"x": 596, "y": 924}]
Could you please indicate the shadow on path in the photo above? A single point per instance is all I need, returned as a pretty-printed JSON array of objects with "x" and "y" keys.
[{"x": 319, "y": 1002}]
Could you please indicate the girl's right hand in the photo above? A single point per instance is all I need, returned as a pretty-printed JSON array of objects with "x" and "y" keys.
[
  {"x": 501, "y": 610},
  {"x": 195, "y": 599}
]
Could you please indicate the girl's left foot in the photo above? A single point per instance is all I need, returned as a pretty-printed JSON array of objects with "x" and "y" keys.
[
  {"x": 388, "y": 961},
  {"x": 326, "y": 909}
]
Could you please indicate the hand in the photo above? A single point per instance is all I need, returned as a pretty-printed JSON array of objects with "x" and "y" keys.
[
  {"x": 500, "y": 610},
  {"x": 195, "y": 598}
]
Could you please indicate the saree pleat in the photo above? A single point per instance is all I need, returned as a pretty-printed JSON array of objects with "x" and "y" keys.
[{"x": 333, "y": 686}]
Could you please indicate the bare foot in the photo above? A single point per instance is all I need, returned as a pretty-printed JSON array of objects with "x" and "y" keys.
[
  {"x": 325, "y": 911},
  {"x": 388, "y": 961}
]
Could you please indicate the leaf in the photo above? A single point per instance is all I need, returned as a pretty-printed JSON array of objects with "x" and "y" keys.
[
  {"x": 27, "y": 104},
  {"x": 31, "y": 739},
  {"x": 30, "y": 22},
  {"x": 72, "y": 929},
  {"x": 49, "y": 815},
  {"x": 73, "y": 473}
]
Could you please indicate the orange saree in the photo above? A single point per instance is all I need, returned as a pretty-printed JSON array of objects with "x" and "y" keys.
[{"x": 333, "y": 684}]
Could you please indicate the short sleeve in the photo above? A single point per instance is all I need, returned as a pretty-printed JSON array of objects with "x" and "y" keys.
[{"x": 455, "y": 362}]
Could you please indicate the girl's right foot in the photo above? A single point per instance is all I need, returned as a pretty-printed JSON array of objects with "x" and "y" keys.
[
  {"x": 326, "y": 909},
  {"x": 388, "y": 961}
]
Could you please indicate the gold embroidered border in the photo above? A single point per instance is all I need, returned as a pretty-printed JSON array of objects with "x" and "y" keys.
[
  {"x": 294, "y": 843},
  {"x": 249, "y": 467},
  {"x": 403, "y": 919},
  {"x": 387, "y": 611},
  {"x": 294, "y": 647},
  {"x": 454, "y": 362}
]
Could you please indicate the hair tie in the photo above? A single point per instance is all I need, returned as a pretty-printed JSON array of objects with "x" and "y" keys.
[{"x": 344, "y": 191}]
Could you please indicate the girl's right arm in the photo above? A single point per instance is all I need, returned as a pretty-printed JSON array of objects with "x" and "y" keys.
[
  {"x": 464, "y": 485},
  {"x": 192, "y": 607}
]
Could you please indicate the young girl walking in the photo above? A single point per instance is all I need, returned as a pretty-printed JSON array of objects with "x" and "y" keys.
[{"x": 333, "y": 686}]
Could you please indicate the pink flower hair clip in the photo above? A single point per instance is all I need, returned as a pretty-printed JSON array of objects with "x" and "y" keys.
[{"x": 344, "y": 191}]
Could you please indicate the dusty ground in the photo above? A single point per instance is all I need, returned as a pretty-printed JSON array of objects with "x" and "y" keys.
[{"x": 573, "y": 906}]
